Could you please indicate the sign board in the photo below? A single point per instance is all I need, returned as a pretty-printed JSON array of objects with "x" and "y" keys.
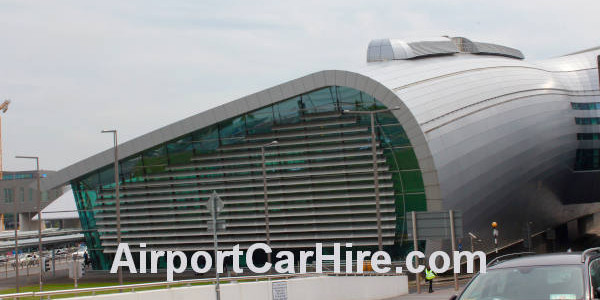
[
  {"x": 279, "y": 290},
  {"x": 434, "y": 225},
  {"x": 214, "y": 201}
]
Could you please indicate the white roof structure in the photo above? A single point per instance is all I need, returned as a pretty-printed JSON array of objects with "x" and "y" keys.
[{"x": 60, "y": 209}]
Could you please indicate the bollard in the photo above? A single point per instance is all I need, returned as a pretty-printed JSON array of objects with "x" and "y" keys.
[{"x": 75, "y": 270}]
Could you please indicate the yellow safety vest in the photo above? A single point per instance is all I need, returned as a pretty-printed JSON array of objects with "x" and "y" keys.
[{"x": 429, "y": 275}]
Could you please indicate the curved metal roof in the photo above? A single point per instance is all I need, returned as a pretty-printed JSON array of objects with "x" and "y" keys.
[
  {"x": 485, "y": 129},
  {"x": 396, "y": 49},
  {"x": 391, "y": 49},
  {"x": 468, "y": 46}
]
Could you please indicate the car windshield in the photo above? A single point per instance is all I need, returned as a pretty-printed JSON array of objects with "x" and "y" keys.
[{"x": 531, "y": 282}]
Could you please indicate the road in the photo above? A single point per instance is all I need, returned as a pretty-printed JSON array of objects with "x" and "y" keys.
[
  {"x": 29, "y": 276},
  {"x": 442, "y": 290}
]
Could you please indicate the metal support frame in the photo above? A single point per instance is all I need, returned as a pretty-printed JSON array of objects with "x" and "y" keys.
[
  {"x": 266, "y": 196},
  {"x": 372, "y": 114},
  {"x": 453, "y": 236},
  {"x": 39, "y": 213},
  {"x": 216, "y": 245},
  {"x": 416, "y": 248},
  {"x": 16, "y": 221},
  {"x": 117, "y": 199}
]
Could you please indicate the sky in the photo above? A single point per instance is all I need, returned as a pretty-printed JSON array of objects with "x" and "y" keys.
[{"x": 73, "y": 68}]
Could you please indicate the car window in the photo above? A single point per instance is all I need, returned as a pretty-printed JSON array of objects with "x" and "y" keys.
[{"x": 537, "y": 282}]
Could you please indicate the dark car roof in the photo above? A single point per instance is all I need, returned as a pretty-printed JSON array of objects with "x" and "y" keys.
[{"x": 572, "y": 258}]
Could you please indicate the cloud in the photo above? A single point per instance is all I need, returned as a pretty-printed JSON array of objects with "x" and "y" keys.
[{"x": 73, "y": 68}]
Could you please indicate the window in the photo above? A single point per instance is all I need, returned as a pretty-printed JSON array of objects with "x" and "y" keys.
[
  {"x": 30, "y": 194},
  {"x": 587, "y": 159},
  {"x": 8, "y": 195},
  {"x": 586, "y": 106},
  {"x": 587, "y": 121},
  {"x": 588, "y": 136},
  {"x": 22, "y": 194}
]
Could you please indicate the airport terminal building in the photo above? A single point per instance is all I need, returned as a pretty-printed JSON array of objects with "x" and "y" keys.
[{"x": 457, "y": 124}]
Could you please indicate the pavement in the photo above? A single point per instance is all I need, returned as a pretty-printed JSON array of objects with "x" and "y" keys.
[
  {"x": 443, "y": 290},
  {"x": 443, "y": 294}
]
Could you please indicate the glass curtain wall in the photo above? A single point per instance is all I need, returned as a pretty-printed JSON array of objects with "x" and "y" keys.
[{"x": 177, "y": 160}]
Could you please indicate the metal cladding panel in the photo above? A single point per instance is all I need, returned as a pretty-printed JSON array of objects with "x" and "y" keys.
[
  {"x": 393, "y": 49},
  {"x": 496, "y": 136},
  {"x": 494, "y": 49},
  {"x": 502, "y": 135},
  {"x": 427, "y": 48},
  {"x": 468, "y": 46}
]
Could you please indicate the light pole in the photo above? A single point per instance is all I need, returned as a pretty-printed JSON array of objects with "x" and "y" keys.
[
  {"x": 117, "y": 200},
  {"x": 16, "y": 220},
  {"x": 472, "y": 236},
  {"x": 39, "y": 213},
  {"x": 266, "y": 197},
  {"x": 372, "y": 114},
  {"x": 495, "y": 235}
]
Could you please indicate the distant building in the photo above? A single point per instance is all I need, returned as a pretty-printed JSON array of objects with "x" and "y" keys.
[
  {"x": 61, "y": 213},
  {"x": 18, "y": 192}
]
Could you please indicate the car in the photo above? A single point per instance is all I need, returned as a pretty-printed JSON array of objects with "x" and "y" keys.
[{"x": 557, "y": 276}]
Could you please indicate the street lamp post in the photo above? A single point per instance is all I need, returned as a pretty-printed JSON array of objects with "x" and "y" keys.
[
  {"x": 372, "y": 114},
  {"x": 117, "y": 200},
  {"x": 472, "y": 236},
  {"x": 495, "y": 235},
  {"x": 16, "y": 221},
  {"x": 266, "y": 197},
  {"x": 39, "y": 213}
]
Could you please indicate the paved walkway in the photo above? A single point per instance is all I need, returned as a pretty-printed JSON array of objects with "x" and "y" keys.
[
  {"x": 442, "y": 294},
  {"x": 442, "y": 290}
]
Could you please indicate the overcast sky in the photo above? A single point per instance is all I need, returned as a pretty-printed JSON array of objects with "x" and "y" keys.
[{"x": 72, "y": 68}]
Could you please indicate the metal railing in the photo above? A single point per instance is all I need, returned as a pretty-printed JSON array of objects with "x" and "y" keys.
[{"x": 179, "y": 283}]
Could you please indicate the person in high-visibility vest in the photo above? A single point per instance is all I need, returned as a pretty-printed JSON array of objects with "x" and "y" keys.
[{"x": 429, "y": 276}]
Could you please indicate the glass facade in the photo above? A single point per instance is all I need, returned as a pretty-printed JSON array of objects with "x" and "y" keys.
[
  {"x": 588, "y": 136},
  {"x": 319, "y": 177},
  {"x": 587, "y": 159},
  {"x": 585, "y": 106},
  {"x": 587, "y": 121},
  {"x": 8, "y": 195}
]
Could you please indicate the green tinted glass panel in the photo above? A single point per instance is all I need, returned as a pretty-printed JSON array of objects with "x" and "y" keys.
[
  {"x": 288, "y": 111},
  {"x": 206, "y": 140},
  {"x": 319, "y": 101},
  {"x": 155, "y": 160},
  {"x": 403, "y": 159},
  {"x": 412, "y": 181},
  {"x": 180, "y": 151},
  {"x": 415, "y": 203},
  {"x": 210, "y": 157}
]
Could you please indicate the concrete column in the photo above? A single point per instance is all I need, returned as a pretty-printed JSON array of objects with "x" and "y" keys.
[{"x": 27, "y": 224}]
